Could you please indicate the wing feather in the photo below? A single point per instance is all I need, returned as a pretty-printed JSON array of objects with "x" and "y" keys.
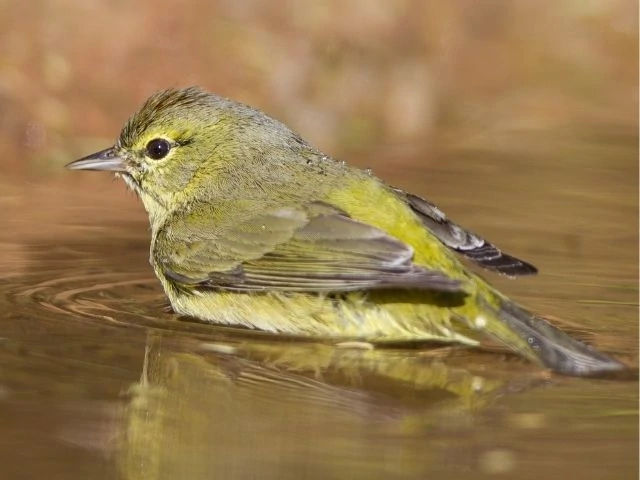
[
  {"x": 466, "y": 242},
  {"x": 315, "y": 248}
]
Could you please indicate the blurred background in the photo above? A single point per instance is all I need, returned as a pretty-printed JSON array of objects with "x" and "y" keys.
[
  {"x": 519, "y": 118},
  {"x": 357, "y": 77}
]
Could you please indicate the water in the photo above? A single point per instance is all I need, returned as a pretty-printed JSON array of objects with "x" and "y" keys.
[{"x": 99, "y": 380}]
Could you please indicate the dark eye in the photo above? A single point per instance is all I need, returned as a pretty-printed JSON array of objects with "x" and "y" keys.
[{"x": 158, "y": 148}]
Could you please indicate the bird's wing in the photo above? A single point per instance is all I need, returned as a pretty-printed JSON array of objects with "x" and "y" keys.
[
  {"x": 313, "y": 248},
  {"x": 466, "y": 242}
]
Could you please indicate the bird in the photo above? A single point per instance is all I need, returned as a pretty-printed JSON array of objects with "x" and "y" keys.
[{"x": 254, "y": 227}]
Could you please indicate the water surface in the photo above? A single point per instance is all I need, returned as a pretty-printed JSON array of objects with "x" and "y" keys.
[{"x": 99, "y": 379}]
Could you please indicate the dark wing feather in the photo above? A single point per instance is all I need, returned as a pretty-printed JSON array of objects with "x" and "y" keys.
[
  {"x": 315, "y": 248},
  {"x": 466, "y": 242}
]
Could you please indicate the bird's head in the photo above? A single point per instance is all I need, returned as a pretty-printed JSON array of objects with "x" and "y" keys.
[{"x": 182, "y": 142}]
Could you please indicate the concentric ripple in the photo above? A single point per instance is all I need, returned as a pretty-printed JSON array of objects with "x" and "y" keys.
[{"x": 87, "y": 284}]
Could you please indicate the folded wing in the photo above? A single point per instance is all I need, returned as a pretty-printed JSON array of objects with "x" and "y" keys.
[
  {"x": 313, "y": 248},
  {"x": 466, "y": 242}
]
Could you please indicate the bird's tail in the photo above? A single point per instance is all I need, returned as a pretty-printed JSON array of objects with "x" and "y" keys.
[{"x": 552, "y": 347}]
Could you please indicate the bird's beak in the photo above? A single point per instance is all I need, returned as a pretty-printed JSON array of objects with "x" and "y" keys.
[{"x": 107, "y": 160}]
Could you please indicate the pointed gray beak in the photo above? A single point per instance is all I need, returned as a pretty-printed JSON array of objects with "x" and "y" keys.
[{"x": 107, "y": 160}]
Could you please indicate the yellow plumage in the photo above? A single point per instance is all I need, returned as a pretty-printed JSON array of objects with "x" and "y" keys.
[{"x": 253, "y": 227}]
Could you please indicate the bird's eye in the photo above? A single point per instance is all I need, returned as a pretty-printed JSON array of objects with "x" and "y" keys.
[{"x": 158, "y": 148}]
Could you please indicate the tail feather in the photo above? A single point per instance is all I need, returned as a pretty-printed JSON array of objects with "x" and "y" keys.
[{"x": 554, "y": 348}]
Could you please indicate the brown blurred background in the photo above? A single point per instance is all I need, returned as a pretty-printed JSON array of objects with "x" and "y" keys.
[
  {"x": 363, "y": 78},
  {"x": 518, "y": 117}
]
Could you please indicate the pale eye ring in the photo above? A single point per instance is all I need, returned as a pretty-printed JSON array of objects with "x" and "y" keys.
[{"x": 158, "y": 148}]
